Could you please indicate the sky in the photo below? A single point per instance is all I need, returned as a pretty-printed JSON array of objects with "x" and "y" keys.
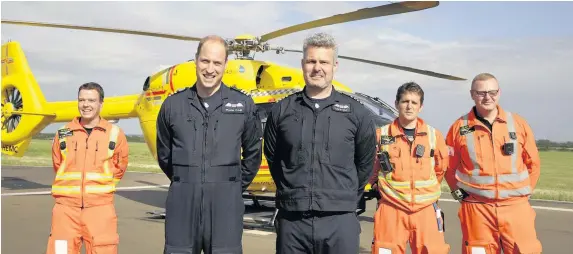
[{"x": 526, "y": 45}]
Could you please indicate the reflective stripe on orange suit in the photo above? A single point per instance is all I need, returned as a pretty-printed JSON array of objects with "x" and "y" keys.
[
  {"x": 87, "y": 171},
  {"x": 499, "y": 185},
  {"x": 408, "y": 210}
]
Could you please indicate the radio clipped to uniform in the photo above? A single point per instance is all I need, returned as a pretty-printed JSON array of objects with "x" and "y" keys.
[
  {"x": 419, "y": 151},
  {"x": 385, "y": 162},
  {"x": 508, "y": 148}
]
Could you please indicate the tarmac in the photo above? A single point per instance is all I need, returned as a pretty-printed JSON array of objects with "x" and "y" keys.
[{"x": 27, "y": 206}]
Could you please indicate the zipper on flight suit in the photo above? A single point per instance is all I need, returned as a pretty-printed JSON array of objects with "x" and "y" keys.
[
  {"x": 205, "y": 130},
  {"x": 312, "y": 166},
  {"x": 328, "y": 135},
  {"x": 412, "y": 198},
  {"x": 83, "y": 187},
  {"x": 95, "y": 157}
]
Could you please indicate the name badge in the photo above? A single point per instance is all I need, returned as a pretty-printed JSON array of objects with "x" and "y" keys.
[
  {"x": 234, "y": 107},
  {"x": 344, "y": 108},
  {"x": 65, "y": 132}
]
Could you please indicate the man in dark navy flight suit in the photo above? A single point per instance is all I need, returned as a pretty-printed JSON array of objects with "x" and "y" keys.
[
  {"x": 320, "y": 146},
  {"x": 200, "y": 133}
]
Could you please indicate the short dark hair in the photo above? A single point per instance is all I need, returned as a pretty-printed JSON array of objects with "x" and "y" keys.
[
  {"x": 92, "y": 86},
  {"x": 215, "y": 38},
  {"x": 411, "y": 87}
]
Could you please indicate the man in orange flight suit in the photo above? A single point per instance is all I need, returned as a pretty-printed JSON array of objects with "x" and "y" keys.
[
  {"x": 494, "y": 167},
  {"x": 412, "y": 159},
  {"x": 90, "y": 156}
]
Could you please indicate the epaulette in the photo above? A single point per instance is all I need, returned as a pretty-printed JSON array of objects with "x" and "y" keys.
[
  {"x": 290, "y": 95},
  {"x": 352, "y": 97},
  {"x": 240, "y": 90},
  {"x": 178, "y": 91}
]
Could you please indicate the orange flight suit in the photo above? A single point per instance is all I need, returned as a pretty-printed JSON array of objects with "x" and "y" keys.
[
  {"x": 87, "y": 171},
  {"x": 499, "y": 185},
  {"x": 408, "y": 210}
]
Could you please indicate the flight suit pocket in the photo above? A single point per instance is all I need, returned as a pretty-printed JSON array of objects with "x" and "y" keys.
[
  {"x": 226, "y": 146},
  {"x": 484, "y": 145},
  {"x": 528, "y": 247},
  {"x": 185, "y": 139},
  {"x": 103, "y": 244},
  {"x": 478, "y": 247},
  {"x": 384, "y": 248},
  {"x": 426, "y": 171},
  {"x": 290, "y": 131},
  {"x": 436, "y": 248},
  {"x": 63, "y": 244},
  {"x": 396, "y": 163},
  {"x": 338, "y": 144}
]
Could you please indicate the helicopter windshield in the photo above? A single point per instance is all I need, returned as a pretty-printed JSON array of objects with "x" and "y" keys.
[{"x": 385, "y": 114}]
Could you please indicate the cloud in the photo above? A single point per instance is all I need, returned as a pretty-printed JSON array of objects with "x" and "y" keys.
[{"x": 530, "y": 70}]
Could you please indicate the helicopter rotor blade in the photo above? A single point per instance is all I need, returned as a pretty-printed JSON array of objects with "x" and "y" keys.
[
  {"x": 393, "y": 66},
  {"x": 366, "y": 13},
  {"x": 103, "y": 29}
]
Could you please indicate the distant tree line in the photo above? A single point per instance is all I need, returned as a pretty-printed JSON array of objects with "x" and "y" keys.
[
  {"x": 545, "y": 144},
  {"x": 130, "y": 138},
  {"x": 542, "y": 144}
]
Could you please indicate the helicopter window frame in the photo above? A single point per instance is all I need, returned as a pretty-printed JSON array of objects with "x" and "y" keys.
[{"x": 381, "y": 110}]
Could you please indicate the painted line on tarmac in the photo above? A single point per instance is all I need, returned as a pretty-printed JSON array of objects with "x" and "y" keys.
[
  {"x": 534, "y": 206},
  {"x": 257, "y": 232},
  {"x": 31, "y": 193}
]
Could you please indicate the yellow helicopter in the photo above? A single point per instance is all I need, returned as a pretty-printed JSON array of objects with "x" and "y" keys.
[{"x": 25, "y": 111}]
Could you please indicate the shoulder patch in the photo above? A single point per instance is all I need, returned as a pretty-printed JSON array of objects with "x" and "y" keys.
[{"x": 178, "y": 91}]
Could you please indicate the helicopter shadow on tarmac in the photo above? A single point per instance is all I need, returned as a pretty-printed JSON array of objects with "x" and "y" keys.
[
  {"x": 257, "y": 214},
  {"x": 17, "y": 183}
]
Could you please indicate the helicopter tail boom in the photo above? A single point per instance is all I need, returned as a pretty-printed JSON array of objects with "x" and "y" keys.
[{"x": 24, "y": 111}]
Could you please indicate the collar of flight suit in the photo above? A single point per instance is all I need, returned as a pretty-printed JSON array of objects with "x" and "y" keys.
[
  {"x": 192, "y": 93},
  {"x": 472, "y": 118},
  {"x": 332, "y": 99},
  {"x": 103, "y": 124},
  {"x": 397, "y": 130},
  {"x": 194, "y": 96}
]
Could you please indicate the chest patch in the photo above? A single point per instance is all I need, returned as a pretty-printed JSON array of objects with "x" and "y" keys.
[
  {"x": 344, "y": 108},
  {"x": 65, "y": 133},
  {"x": 234, "y": 107},
  {"x": 466, "y": 129},
  {"x": 387, "y": 140}
]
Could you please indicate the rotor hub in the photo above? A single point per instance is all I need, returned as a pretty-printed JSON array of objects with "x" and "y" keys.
[{"x": 7, "y": 109}]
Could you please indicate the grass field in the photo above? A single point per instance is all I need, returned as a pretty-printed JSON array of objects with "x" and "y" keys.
[{"x": 555, "y": 183}]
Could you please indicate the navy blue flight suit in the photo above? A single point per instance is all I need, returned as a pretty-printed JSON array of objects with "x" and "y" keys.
[
  {"x": 320, "y": 155},
  {"x": 199, "y": 143}
]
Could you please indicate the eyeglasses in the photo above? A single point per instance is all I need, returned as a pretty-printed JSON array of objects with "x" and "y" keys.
[{"x": 491, "y": 93}]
